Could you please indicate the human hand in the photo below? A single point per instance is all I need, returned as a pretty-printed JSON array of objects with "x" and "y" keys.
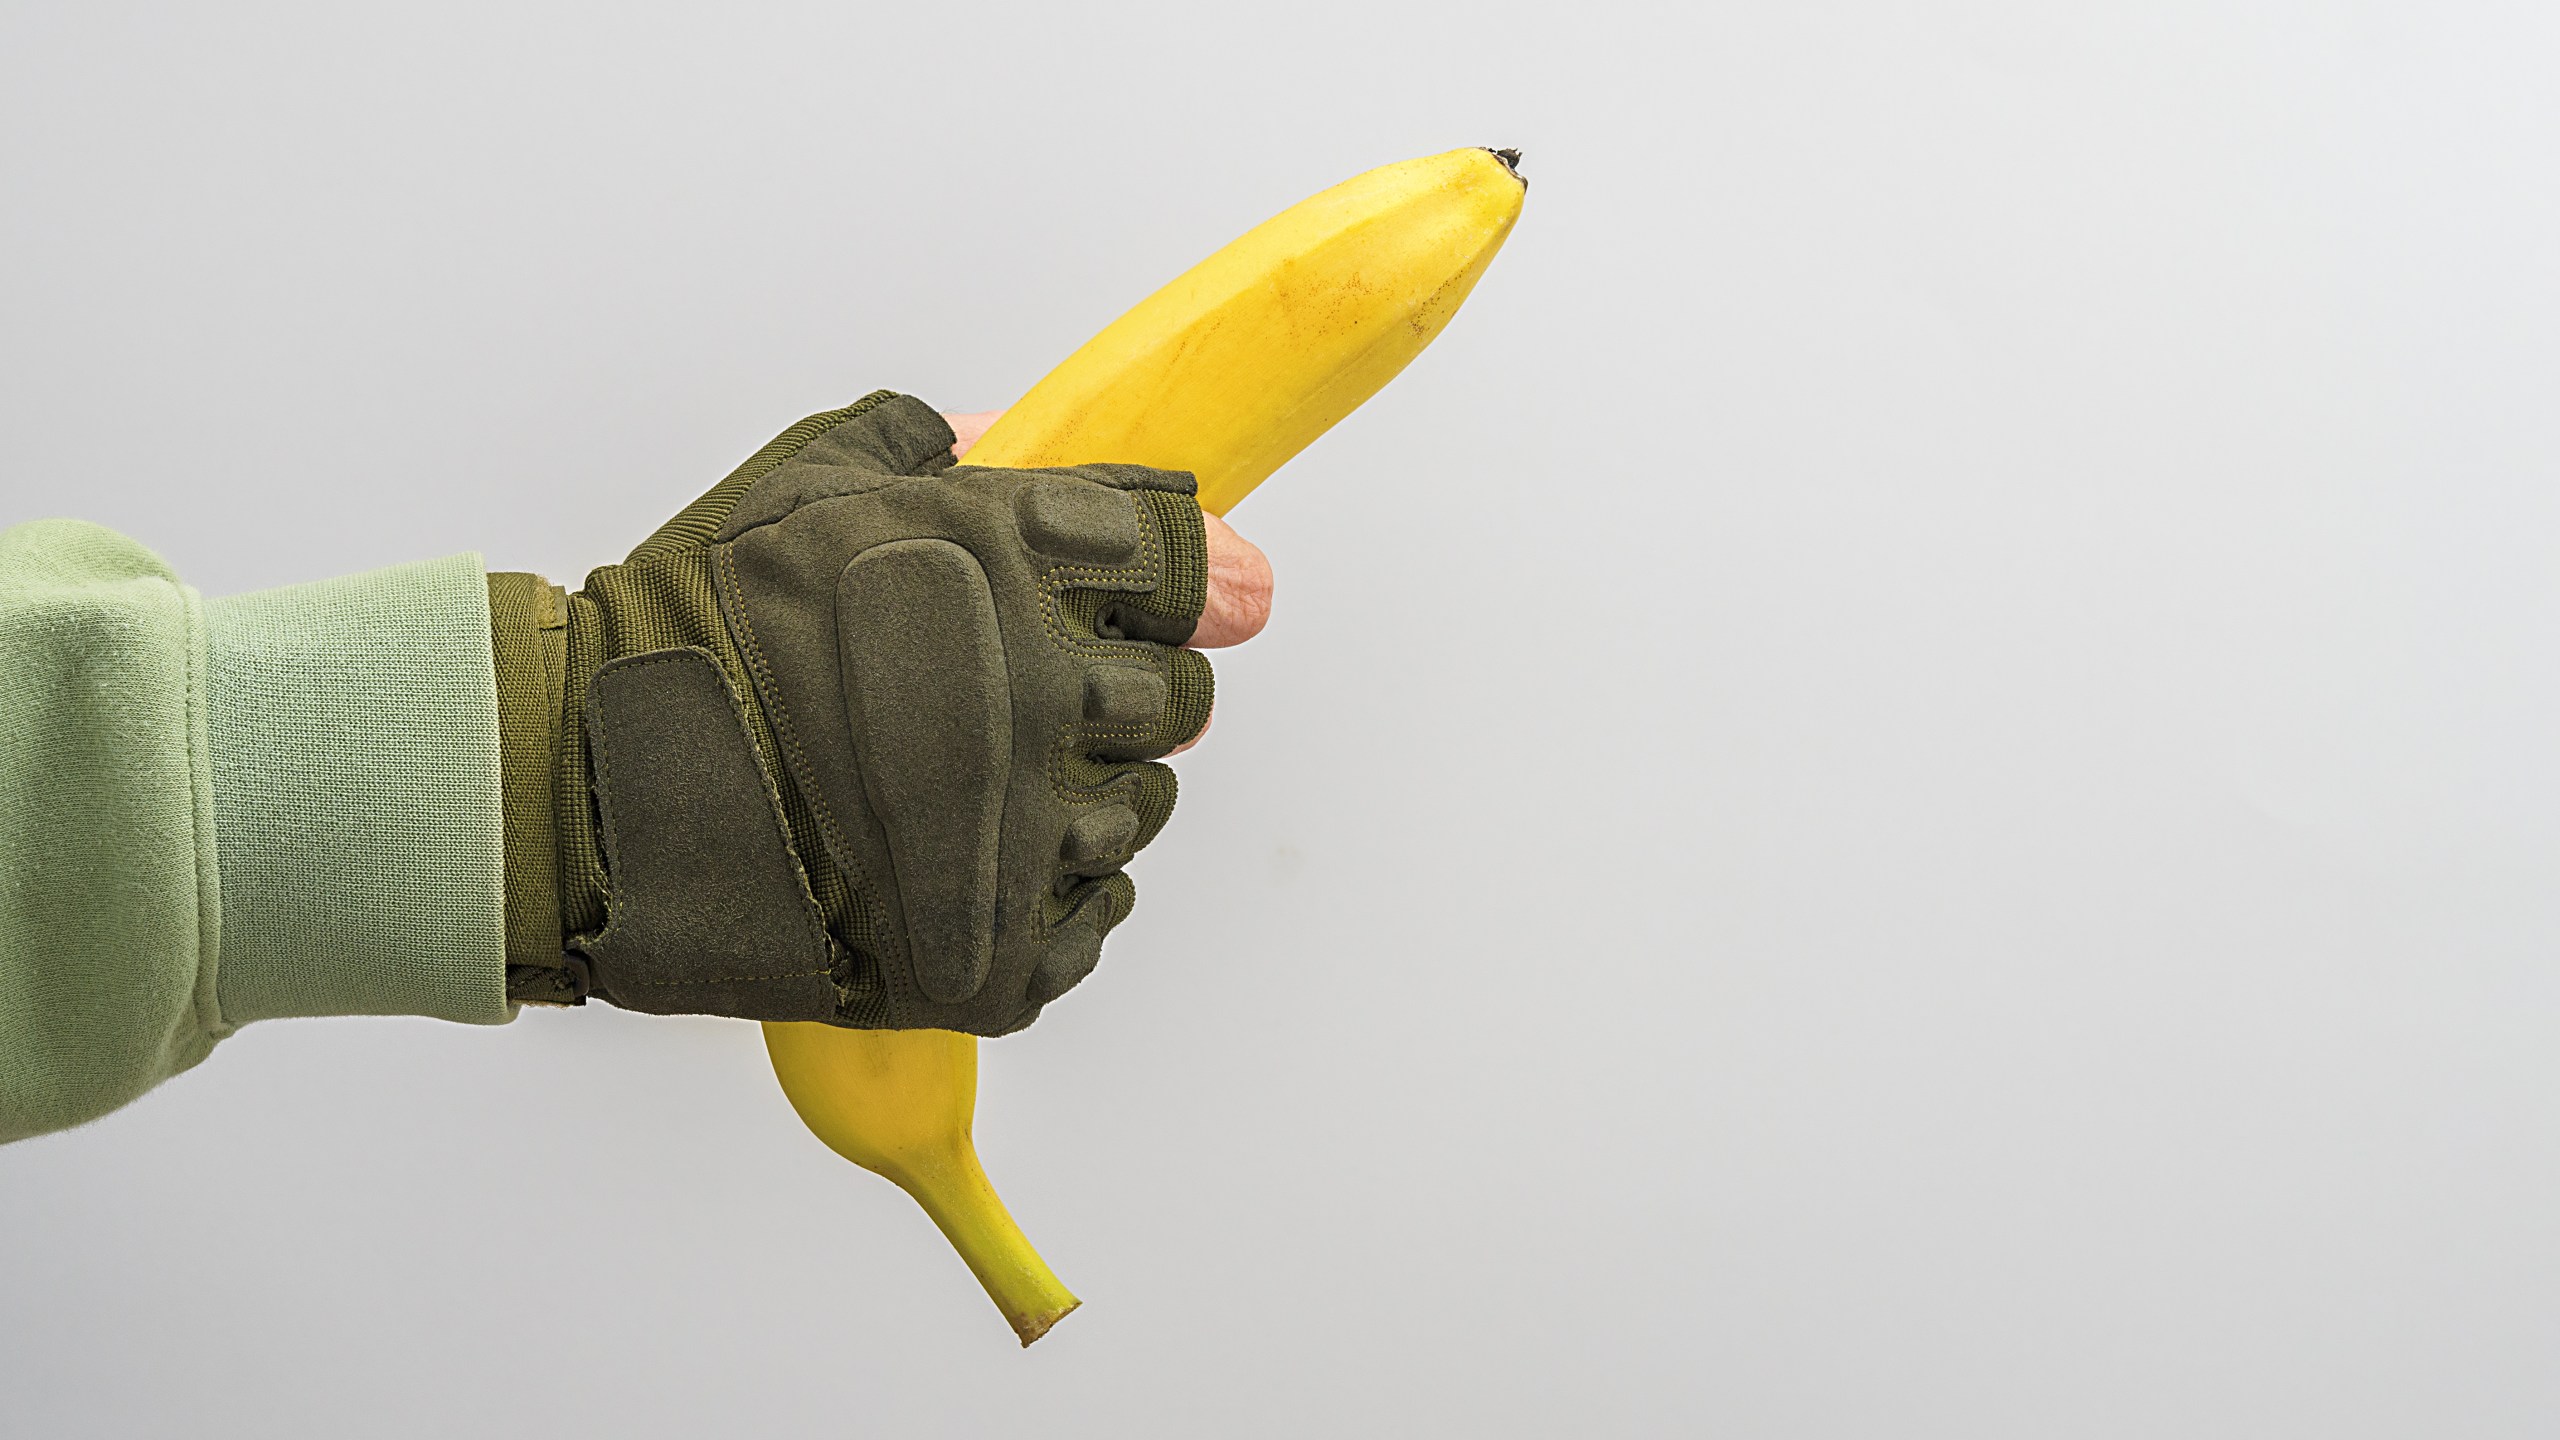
[{"x": 862, "y": 738}]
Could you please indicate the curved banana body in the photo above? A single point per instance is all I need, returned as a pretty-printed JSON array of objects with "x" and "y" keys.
[
  {"x": 1227, "y": 372},
  {"x": 1251, "y": 354}
]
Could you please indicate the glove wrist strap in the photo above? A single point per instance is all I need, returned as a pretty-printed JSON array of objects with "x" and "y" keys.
[{"x": 528, "y": 632}]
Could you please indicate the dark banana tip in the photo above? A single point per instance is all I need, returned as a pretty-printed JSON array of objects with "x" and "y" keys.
[{"x": 1510, "y": 161}]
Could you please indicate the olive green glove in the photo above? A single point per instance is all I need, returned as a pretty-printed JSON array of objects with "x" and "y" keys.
[{"x": 862, "y": 736}]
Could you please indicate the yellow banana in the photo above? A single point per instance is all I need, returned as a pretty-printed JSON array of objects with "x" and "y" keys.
[
  {"x": 1228, "y": 371},
  {"x": 1248, "y": 357},
  {"x": 899, "y": 1103}
]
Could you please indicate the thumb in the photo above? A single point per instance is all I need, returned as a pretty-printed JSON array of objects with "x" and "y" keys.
[{"x": 965, "y": 429}]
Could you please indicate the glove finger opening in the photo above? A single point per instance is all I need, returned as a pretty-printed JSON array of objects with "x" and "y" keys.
[{"x": 1075, "y": 938}]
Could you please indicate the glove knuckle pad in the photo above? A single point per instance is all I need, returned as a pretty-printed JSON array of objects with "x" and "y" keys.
[
  {"x": 1103, "y": 836},
  {"x": 1076, "y": 521},
  {"x": 1124, "y": 698}
]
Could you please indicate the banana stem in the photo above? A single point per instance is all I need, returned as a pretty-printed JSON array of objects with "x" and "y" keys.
[{"x": 953, "y": 1189}]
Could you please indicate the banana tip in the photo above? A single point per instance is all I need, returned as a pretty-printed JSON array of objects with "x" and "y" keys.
[{"x": 1510, "y": 161}]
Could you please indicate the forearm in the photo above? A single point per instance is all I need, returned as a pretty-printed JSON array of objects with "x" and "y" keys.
[
  {"x": 281, "y": 804},
  {"x": 110, "y": 906}
]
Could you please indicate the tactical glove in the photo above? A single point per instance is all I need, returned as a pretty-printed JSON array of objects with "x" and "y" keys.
[{"x": 862, "y": 736}]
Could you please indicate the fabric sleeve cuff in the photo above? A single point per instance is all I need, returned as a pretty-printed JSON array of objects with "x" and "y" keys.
[{"x": 353, "y": 726}]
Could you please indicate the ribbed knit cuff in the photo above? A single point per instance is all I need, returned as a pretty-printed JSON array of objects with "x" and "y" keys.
[{"x": 357, "y": 797}]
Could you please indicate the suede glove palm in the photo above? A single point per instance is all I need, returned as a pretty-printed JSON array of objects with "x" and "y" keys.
[{"x": 861, "y": 736}]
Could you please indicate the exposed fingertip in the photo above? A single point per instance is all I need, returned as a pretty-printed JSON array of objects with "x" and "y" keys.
[{"x": 1238, "y": 603}]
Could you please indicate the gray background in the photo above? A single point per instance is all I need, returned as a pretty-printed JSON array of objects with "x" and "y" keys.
[{"x": 1908, "y": 789}]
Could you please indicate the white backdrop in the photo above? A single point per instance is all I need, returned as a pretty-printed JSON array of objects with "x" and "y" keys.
[{"x": 1908, "y": 789}]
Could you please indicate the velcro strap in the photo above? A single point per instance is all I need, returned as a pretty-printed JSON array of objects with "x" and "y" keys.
[{"x": 707, "y": 909}]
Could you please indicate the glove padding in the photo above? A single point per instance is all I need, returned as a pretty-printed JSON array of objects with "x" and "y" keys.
[{"x": 869, "y": 733}]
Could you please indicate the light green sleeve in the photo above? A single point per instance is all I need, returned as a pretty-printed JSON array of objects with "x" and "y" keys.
[{"x": 285, "y": 803}]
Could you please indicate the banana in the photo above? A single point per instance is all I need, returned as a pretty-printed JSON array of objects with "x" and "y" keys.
[
  {"x": 1227, "y": 372},
  {"x": 1249, "y": 356},
  {"x": 899, "y": 1103}
]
